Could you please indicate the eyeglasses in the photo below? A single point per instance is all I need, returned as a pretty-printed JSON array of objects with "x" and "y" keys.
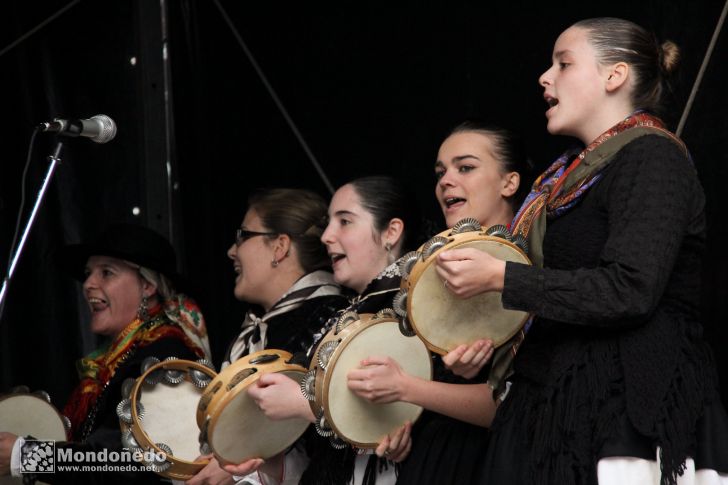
[{"x": 242, "y": 235}]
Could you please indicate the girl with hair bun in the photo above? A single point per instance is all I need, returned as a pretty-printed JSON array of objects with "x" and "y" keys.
[{"x": 613, "y": 383}]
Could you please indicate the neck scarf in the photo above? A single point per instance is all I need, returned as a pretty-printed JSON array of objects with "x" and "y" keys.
[
  {"x": 97, "y": 368},
  {"x": 252, "y": 336},
  {"x": 563, "y": 184}
]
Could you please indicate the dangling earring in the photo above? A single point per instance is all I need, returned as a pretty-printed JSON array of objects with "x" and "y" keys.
[
  {"x": 143, "y": 311},
  {"x": 390, "y": 256},
  {"x": 274, "y": 263}
]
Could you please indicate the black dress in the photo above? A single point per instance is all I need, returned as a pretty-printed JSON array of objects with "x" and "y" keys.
[
  {"x": 444, "y": 449},
  {"x": 615, "y": 363},
  {"x": 327, "y": 465}
]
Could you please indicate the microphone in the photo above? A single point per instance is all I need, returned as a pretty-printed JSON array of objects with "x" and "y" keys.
[{"x": 99, "y": 128}]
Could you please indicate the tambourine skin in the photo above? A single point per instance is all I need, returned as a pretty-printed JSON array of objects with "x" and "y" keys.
[
  {"x": 231, "y": 422},
  {"x": 443, "y": 321},
  {"x": 27, "y": 414},
  {"x": 172, "y": 418},
  {"x": 353, "y": 419}
]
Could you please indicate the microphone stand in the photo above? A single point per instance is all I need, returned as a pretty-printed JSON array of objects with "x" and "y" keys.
[{"x": 54, "y": 160}]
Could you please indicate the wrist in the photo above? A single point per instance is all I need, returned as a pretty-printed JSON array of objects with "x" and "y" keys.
[
  {"x": 409, "y": 388},
  {"x": 499, "y": 276}
]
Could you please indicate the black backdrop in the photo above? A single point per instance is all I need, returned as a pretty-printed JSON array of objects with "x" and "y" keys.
[{"x": 372, "y": 90}]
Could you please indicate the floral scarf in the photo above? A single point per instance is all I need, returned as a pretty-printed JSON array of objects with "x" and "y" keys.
[
  {"x": 98, "y": 368},
  {"x": 563, "y": 184}
]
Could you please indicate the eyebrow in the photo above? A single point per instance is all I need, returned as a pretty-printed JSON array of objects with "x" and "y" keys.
[
  {"x": 459, "y": 158},
  {"x": 344, "y": 213},
  {"x": 561, "y": 53}
]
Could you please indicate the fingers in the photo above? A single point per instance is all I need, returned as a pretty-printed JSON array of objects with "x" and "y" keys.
[
  {"x": 467, "y": 361},
  {"x": 375, "y": 360},
  {"x": 382, "y": 449},
  {"x": 457, "y": 254},
  {"x": 454, "y": 355},
  {"x": 245, "y": 467},
  {"x": 397, "y": 445}
]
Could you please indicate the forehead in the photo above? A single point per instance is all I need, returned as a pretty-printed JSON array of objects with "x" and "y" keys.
[
  {"x": 251, "y": 219},
  {"x": 468, "y": 143},
  {"x": 346, "y": 199},
  {"x": 573, "y": 41}
]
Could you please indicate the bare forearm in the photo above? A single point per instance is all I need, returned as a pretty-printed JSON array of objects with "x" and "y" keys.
[{"x": 472, "y": 403}]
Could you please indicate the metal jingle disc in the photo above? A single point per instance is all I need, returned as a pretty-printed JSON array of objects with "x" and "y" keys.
[
  {"x": 174, "y": 376},
  {"x": 400, "y": 303},
  {"x": 206, "y": 363},
  {"x": 155, "y": 377},
  {"x": 308, "y": 385},
  {"x": 22, "y": 389},
  {"x": 205, "y": 448},
  {"x": 499, "y": 230},
  {"x": 128, "y": 441},
  {"x": 202, "y": 437},
  {"x": 386, "y": 313},
  {"x": 148, "y": 363},
  {"x": 159, "y": 465},
  {"x": 346, "y": 319},
  {"x": 407, "y": 262},
  {"x": 123, "y": 411},
  {"x": 66, "y": 422},
  {"x": 127, "y": 387},
  {"x": 433, "y": 245},
  {"x": 520, "y": 241},
  {"x": 199, "y": 378},
  {"x": 324, "y": 353},
  {"x": 405, "y": 328},
  {"x": 466, "y": 225},
  {"x": 43, "y": 395},
  {"x": 322, "y": 427},
  {"x": 337, "y": 442}
]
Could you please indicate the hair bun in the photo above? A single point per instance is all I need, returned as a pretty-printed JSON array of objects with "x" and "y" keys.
[{"x": 669, "y": 56}]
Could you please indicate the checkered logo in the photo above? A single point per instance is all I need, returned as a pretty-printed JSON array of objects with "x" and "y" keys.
[{"x": 38, "y": 456}]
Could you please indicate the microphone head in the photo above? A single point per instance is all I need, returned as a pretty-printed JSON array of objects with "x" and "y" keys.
[{"x": 107, "y": 129}]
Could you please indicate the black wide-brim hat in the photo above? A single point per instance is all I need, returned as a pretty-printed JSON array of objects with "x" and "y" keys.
[{"x": 136, "y": 244}]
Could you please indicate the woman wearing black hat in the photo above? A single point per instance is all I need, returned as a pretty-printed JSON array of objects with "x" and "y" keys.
[{"x": 129, "y": 276}]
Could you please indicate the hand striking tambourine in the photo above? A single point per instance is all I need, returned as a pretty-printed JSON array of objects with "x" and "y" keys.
[
  {"x": 230, "y": 422},
  {"x": 442, "y": 320},
  {"x": 158, "y": 415},
  {"x": 340, "y": 414},
  {"x": 26, "y": 414}
]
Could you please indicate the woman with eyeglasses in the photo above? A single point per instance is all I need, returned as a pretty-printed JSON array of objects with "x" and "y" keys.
[
  {"x": 281, "y": 267},
  {"x": 370, "y": 223}
]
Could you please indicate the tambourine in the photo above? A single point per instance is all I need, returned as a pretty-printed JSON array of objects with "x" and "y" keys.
[
  {"x": 340, "y": 414},
  {"x": 31, "y": 414},
  {"x": 442, "y": 320},
  {"x": 230, "y": 422},
  {"x": 157, "y": 416}
]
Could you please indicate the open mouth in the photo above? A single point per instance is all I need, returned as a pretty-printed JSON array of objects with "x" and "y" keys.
[
  {"x": 451, "y": 201},
  {"x": 551, "y": 102},
  {"x": 97, "y": 304},
  {"x": 336, "y": 257}
]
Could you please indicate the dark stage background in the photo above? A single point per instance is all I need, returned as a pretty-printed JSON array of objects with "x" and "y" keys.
[{"x": 371, "y": 89}]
